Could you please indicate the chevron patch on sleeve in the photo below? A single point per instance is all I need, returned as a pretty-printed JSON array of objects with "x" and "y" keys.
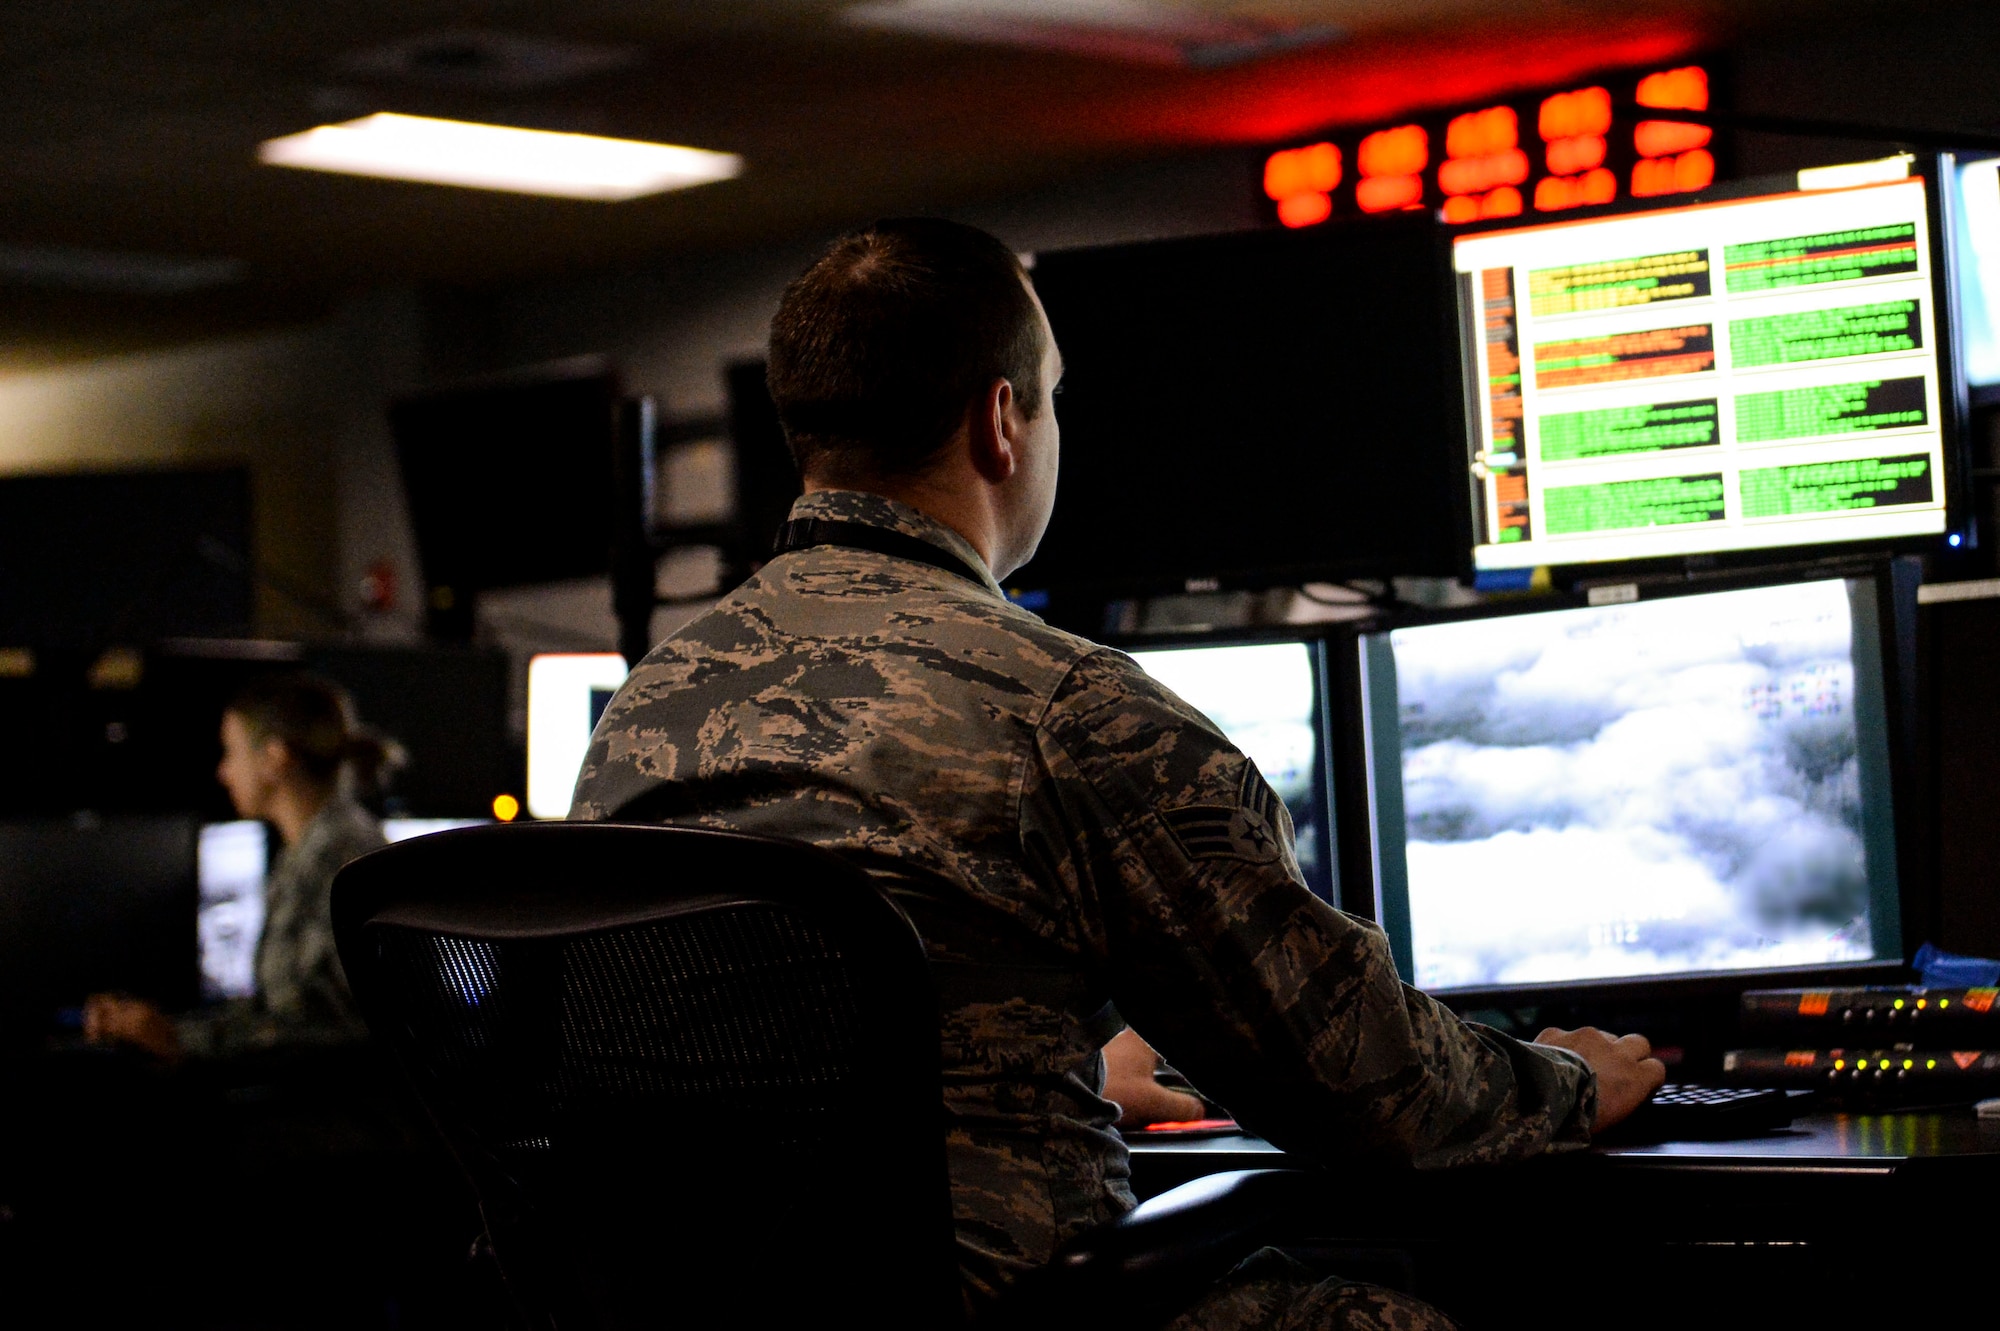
[{"x": 1246, "y": 830}]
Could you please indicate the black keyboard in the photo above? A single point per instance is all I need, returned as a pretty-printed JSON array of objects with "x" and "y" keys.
[{"x": 1688, "y": 1111}]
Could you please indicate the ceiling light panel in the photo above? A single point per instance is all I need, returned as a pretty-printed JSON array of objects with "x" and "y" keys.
[
  {"x": 1158, "y": 32},
  {"x": 499, "y": 157}
]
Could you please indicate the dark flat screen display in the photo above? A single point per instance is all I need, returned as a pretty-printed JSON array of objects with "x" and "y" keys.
[
  {"x": 91, "y": 905},
  {"x": 1254, "y": 409}
]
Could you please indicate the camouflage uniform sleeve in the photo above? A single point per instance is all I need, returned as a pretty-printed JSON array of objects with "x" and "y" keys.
[
  {"x": 304, "y": 1001},
  {"x": 1277, "y": 1005}
]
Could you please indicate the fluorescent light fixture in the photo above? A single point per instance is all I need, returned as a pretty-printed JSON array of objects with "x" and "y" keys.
[
  {"x": 1155, "y": 32},
  {"x": 567, "y": 692},
  {"x": 1847, "y": 175},
  {"x": 499, "y": 157}
]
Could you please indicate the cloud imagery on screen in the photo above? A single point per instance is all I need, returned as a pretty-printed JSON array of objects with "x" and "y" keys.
[{"x": 1655, "y": 788}]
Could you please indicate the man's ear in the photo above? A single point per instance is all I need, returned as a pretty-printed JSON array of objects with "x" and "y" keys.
[{"x": 995, "y": 425}]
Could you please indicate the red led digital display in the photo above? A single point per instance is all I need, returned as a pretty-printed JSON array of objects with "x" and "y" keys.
[
  {"x": 1392, "y": 162},
  {"x": 1570, "y": 148},
  {"x": 1483, "y": 164},
  {"x": 1301, "y": 182},
  {"x": 1673, "y": 155}
]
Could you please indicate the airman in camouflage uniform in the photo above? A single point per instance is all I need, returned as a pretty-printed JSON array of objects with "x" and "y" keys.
[
  {"x": 302, "y": 997},
  {"x": 1079, "y": 848}
]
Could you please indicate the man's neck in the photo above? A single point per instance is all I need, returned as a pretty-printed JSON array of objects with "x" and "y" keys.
[{"x": 968, "y": 514}]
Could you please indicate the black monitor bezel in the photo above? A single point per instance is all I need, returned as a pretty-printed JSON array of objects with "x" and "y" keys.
[
  {"x": 1328, "y": 714},
  {"x": 1954, "y": 401},
  {"x": 1895, "y": 591}
]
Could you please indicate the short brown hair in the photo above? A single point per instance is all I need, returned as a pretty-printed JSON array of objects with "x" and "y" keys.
[{"x": 880, "y": 348}]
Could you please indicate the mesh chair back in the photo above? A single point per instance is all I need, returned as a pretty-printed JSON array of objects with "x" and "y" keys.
[{"x": 693, "y": 1075}]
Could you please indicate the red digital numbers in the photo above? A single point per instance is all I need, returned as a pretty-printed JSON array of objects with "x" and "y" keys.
[
  {"x": 1487, "y": 171},
  {"x": 1673, "y": 155},
  {"x": 1392, "y": 162},
  {"x": 1301, "y": 182}
]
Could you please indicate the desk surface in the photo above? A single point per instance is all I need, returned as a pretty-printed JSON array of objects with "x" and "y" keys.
[
  {"x": 1822, "y": 1172},
  {"x": 1871, "y": 1143}
]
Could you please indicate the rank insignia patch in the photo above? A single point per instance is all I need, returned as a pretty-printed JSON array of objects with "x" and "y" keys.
[{"x": 1246, "y": 831}]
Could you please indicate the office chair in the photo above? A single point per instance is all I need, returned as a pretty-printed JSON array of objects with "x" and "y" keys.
[{"x": 693, "y": 1077}]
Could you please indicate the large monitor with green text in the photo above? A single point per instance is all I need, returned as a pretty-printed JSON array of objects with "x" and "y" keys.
[{"x": 1739, "y": 375}]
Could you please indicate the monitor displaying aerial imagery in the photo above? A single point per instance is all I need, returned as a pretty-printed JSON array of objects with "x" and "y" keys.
[
  {"x": 1264, "y": 697},
  {"x": 1692, "y": 785}
]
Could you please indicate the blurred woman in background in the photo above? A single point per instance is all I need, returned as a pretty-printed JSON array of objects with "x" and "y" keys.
[{"x": 294, "y": 757}]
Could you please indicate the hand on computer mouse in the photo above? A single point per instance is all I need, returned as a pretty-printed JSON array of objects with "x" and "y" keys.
[{"x": 1627, "y": 1072}]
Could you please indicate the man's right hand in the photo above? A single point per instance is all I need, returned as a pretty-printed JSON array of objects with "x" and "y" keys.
[{"x": 1627, "y": 1072}]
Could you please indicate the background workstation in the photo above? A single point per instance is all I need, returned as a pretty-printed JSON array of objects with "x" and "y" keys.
[{"x": 417, "y": 439}]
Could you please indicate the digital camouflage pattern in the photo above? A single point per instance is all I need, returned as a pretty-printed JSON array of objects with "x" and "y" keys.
[
  {"x": 1271, "y": 1291},
  {"x": 302, "y": 996},
  {"x": 1079, "y": 849}
]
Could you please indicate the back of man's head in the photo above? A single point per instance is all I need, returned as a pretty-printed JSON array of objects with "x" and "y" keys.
[{"x": 879, "y": 350}]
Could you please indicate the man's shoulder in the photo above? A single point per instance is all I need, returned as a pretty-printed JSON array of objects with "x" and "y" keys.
[
  {"x": 928, "y": 628},
  {"x": 1105, "y": 684}
]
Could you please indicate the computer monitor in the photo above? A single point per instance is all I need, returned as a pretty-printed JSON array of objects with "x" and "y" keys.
[
  {"x": 1691, "y": 786},
  {"x": 567, "y": 693},
  {"x": 1253, "y": 409},
  {"x": 509, "y": 483},
  {"x": 1745, "y": 374},
  {"x": 234, "y": 859},
  {"x": 1975, "y": 219},
  {"x": 402, "y": 829},
  {"x": 90, "y": 904},
  {"x": 1265, "y": 696}
]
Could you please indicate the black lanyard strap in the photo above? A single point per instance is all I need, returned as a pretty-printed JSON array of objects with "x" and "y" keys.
[{"x": 805, "y": 533}]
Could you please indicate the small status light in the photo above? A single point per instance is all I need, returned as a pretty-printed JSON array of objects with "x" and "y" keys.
[
  {"x": 1953, "y": 540},
  {"x": 506, "y": 808},
  {"x": 1944, "y": 1002},
  {"x": 1885, "y": 1065},
  {"x": 1930, "y": 1063},
  {"x": 1920, "y": 1004},
  {"x": 1909, "y": 1063},
  {"x": 1898, "y": 1005},
  {"x": 1839, "y": 1064}
]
